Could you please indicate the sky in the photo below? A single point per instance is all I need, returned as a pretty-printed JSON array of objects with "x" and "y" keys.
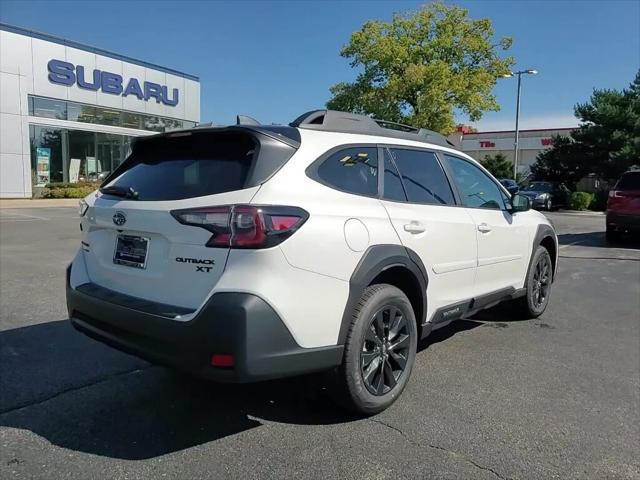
[{"x": 276, "y": 59}]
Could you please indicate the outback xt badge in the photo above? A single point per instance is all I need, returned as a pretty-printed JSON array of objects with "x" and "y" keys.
[{"x": 201, "y": 261}]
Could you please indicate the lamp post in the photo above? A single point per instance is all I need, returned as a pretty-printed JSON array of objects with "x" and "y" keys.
[{"x": 515, "y": 143}]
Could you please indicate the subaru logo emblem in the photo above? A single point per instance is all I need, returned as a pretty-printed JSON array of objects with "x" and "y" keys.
[{"x": 119, "y": 218}]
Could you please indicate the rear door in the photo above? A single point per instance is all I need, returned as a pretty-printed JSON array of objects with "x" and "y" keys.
[
  {"x": 421, "y": 206},
  {"x": 134, "y": 245},
  {"x": 503, "y": 239}
]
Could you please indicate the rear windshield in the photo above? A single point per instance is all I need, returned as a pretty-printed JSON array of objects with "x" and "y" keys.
[
  {"x": 629, "y": 181},
  {"x": 193, "y": 165}
]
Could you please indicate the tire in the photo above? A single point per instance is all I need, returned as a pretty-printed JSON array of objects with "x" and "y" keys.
[
  {"x": 374, "y": 372},
  {"x": 538, "y": 285},
  {"x": 612, "y": 236},
  {"x": 548, "y": 205}
]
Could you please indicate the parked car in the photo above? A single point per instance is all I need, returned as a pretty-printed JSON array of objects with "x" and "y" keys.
[
  {"x": 546, "y": 195},
  {"x": 510, "y": 184},
  {"x": 334, "y": 244},
  {"x": 623, "y": 206}
]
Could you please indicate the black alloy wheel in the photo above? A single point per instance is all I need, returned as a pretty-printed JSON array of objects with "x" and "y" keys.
[
  {"x": 541, "y": 281},
  {"x": 538, "y": 286},
  {"x": 379, "y": 351},
  {"x": 385, "y": 350}
]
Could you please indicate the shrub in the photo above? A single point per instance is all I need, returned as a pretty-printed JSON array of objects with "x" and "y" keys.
[
  {"x": 580, "y": 200},
  {"x": 68, "y": 192},
  {"x": 62, "y": 185}
]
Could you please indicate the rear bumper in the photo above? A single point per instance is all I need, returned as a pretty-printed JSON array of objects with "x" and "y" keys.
[
  {"x": 623, "y": 221},
  {"x": 239, "y": 324}
]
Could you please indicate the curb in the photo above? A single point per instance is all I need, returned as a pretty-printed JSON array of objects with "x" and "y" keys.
[
  {"x": 38, "y": 203},
  {"x": 579, "y": 213}
]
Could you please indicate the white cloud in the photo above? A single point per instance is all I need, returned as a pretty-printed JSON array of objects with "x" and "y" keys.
[{"x": 526, "y": 122}]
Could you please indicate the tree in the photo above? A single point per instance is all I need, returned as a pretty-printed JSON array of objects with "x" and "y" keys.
[
  {"x": 498, "y": 165},
  {"x": 609, "y": 134},
  {"x": 606, "y": 143},
  {"x": 419, "y": 67},
  {"x": 561, "y": 163}
]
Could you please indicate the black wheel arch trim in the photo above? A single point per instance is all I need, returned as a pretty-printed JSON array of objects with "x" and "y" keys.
[
  {"x": 544, "y": 231},
  {"x": 375, "y": 260}
]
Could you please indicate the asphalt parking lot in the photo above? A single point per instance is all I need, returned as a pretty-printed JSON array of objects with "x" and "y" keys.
[{"x": 490, "y": 397}]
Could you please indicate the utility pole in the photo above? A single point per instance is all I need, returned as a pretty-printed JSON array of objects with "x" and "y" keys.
[
  {"x": 515, "y": 143},
  {"x": 517, "y": 136}
]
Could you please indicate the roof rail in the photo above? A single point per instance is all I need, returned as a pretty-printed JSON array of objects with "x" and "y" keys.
[{"x": 345, "y": 122}]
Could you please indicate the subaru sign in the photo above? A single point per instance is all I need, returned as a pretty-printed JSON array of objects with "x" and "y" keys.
[{"x": 65, "y": 73}]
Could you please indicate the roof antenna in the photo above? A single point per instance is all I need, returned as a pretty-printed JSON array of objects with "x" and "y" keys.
[{"x": 246, "y": 120}]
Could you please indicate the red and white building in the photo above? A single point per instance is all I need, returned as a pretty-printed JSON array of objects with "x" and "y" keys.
[{"x": 530, "y": 143}]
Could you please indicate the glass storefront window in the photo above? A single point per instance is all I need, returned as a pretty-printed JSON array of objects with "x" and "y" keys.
[
  {"x": 63, "y": 155},
  {"x": 131, "y": 120},
  {"x": 152, "y": 123},
  {"x": 46, "y": 155},
  {"x": 171, "y": 124},
  {"x": 82, "y": 156},
  {"x": 110, "y": 153},
  {"x": 45, "y": 107},
  {"x": 77, "y": 112},
  {"x": 106, "y": 116}
]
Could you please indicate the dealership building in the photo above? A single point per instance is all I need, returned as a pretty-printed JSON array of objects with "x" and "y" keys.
[
  {"x": 68, "y": 111},
  {"x": 530, "y": 143}
]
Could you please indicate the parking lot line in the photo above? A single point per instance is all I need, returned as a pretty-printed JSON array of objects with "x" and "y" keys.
[{"x": 19, "y": 217}]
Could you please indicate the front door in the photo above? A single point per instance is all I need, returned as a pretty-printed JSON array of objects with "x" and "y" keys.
[{"x": 502, "y": 239}]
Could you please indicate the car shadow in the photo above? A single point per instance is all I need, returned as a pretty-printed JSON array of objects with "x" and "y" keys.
[
  {"x": 446, "y": 332},
  {"x": 81, "y": 395},
  {"x": 597, "y": 239}
]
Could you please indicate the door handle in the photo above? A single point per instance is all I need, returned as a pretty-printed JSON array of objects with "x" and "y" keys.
[
  {"x": 414, "y": 227},
  {"x": 484, "y": 228}
]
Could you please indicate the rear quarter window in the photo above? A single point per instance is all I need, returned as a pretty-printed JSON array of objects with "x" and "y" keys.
[{"x": 352, "y": 169}]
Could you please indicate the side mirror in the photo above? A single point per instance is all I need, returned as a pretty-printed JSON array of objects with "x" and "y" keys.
[{"x": 520, "y": 203}]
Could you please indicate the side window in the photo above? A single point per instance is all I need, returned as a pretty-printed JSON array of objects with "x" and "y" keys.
[
  {"x": 423, "y": 177},
  {"x": 353, "y": 170},
  {"x": 393, "y": 189},
  {"x": 476, "y": 189}
]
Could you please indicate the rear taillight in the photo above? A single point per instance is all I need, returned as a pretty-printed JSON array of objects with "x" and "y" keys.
[
  {"x": 616, "y": 194},
  {"x": 82, "y": 207},
  {"x": 244, "y": 226}
]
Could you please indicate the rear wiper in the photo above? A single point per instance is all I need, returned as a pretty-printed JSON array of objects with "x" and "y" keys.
[{"x": 117, "y": 191}]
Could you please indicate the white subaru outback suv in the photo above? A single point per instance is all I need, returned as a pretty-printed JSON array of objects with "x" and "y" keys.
[{"x": 252, "y": 252}]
